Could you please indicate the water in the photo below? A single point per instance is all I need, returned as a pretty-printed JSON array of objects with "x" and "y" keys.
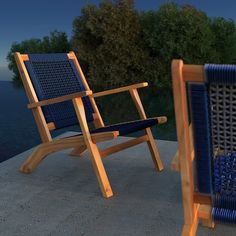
[{"x": 18, "y": 131}]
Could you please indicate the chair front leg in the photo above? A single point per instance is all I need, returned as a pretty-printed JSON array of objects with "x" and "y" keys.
[{"x": 93, "y": 149}]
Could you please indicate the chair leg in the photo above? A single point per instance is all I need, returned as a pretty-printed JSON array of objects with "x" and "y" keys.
[
  {"x": 154, "y": 151},
  {"x": 208, "y": 223},
  {"x": 189, "y": 230},
  {"x": 100, "y": 171},
  {"x": 78, "y": 152},
  {"x": 33, "y": 160}
]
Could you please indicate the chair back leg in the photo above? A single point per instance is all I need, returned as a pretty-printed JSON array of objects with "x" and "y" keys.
[
  {"x": 78, "y": 152},
  {"x": 151, "y": 143},
  {"x": 154, "y": 151}
]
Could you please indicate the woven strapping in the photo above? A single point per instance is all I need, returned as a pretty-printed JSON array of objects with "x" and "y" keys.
[
  {"x": 221, "y": 80},
  {"x": 54, "y": 75}
]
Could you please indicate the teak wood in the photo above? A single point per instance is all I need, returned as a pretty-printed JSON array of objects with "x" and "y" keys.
[
  {"x": 85, "y": 141},
  {"x": 195, "y": 206}
]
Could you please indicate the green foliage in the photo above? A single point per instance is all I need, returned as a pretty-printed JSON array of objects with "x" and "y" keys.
[
  {"x": 108, "y": 40},
  {"x": 174, "y": 32},
  {"x": 56, "y": 42},
  {"x": 224, "y": 39},
  {"x": 119, "y": 46}
]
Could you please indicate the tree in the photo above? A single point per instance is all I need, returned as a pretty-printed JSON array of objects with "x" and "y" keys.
[
  {"x": 107, "y": 41},
  {"x": 176, "y": 32},
  {"x": 56, "y": 42},
  {"x": 224, "y": 39}
]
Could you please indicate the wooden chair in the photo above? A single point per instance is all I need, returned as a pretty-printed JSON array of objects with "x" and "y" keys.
[
  {"x": 59, "y": 96},
  {"x": 207, "y": 143}
]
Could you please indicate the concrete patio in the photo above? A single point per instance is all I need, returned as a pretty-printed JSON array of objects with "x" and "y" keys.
[{"x": 62, "y": 197}]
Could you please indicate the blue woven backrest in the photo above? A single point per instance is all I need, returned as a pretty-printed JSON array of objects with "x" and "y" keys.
[
  {"x": 213, "y": 108},
  {"x": 202, "y": 136},
  {"x": 55, "y": 75},
  {"x": 220, "y": 74}
]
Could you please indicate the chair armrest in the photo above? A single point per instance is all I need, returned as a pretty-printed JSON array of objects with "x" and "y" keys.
[
  {"x": 120, "y": 90},
  {"x": 59, "y": 99}
]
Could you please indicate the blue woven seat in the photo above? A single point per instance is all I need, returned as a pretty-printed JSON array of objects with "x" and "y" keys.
[{"x": 129, "y": 127}]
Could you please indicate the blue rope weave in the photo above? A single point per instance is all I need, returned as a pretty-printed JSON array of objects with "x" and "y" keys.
[
  {"x": 221, "y": 201},
  {"x": 224, "y": 172},
  {"x": 54, "y": 75},
  {"x": 129, "y": 127},
  {"x": 212, "y": 109},
  {"x": 224, "y": 200},
  {"x": 225, "y": 175},
  {"x": 224, "y": 215},
  {"x": 202, "y": 137},
  {"x": 220, "y": 74}
]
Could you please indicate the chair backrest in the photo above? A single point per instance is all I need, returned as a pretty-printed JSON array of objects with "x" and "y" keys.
[
  {"x": 221, "y": 80},
  {"x": 212, "y": 103},
  {"x": 54, "y": 75},
  {"x": 213, "y": 108}
]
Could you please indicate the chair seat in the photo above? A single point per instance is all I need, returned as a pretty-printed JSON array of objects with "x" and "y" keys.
[{"x": 128, "y": 127}]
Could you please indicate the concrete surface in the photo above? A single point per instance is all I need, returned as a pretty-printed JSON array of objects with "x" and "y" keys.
[{"x": 62, "y": 197}]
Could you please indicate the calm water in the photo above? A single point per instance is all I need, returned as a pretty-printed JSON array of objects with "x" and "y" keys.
[{"x": 18, "y": 130}]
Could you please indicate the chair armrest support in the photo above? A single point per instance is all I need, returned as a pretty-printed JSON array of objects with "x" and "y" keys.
[
  {"x": 59, "y": 99},
  {"x": 138, "y": 103},
  {"x": 120, "y": 90}
]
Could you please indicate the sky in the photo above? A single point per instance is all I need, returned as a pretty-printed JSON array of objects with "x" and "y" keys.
[{"x": 25, "y": 19}]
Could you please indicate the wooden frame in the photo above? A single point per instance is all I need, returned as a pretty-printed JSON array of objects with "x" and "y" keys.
[
  {"x": 196, "y": 207},
  {"x": 86, "y": 141}
]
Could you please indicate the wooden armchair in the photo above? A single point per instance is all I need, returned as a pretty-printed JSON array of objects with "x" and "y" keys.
[{"x": 59, "y": 96}]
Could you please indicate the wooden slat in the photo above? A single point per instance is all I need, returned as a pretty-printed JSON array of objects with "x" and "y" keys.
[
  {"x": 193, "y": 73},
  {"x": 175, "y": 166},
  {"x": 209, "y": 223},
  {"x": 56, "y": 145},
  {"x": 202, "y": 199},
  {"x": 25, "y": 57},
  {"x": 59, "y": 99},
  {"x": 38, "y": 114},
  {"x": 51, "y": 126},
  {"x": 78, "y": 151},
  {"x": 204, "y": 212},
  {"x": 191, "y": 229},
  {"x": 98, "y": 121},
  {"x": 92, "y": 148},
  {"x": 182, "y": 125},
  {"x": 151, "y": 142},
  {"x": 191, "y": 142},
  {"x": 119, "y": 90},
  {"x": 122, "y": 146},
  {"x": 175, "y": 162}
]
